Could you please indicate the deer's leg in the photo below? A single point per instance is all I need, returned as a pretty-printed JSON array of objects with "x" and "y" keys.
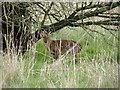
[
  {"x": 55, "y": 54},
  {"x": 76, "y": 51},
  {"x": 76, "y": 59},
  {"x": 74, "y": 54}
]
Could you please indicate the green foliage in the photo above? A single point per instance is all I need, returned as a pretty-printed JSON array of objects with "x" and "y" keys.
[
  {"x": 94, "y": 69},
  {"x": 41, "y": 51},
  {"x": 42, "y": 55}
]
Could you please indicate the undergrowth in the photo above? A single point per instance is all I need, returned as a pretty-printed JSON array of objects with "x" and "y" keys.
[{"x": 96, "y": 68}]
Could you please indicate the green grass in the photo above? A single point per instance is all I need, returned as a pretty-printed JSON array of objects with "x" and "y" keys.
[{"x": 94, "y": 70}]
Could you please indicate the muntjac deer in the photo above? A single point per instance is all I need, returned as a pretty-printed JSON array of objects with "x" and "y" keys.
[{"x": 60, "y": 47}]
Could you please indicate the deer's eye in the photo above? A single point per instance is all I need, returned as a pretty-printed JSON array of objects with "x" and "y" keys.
[{"x": 45, "y": 41}]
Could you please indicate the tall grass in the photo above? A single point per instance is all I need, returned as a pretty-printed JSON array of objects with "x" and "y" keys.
[{"x": 96, "y": 68}]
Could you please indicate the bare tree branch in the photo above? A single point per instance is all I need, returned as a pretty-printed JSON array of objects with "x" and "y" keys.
[
  {"x": 110, "y": 29},
  {"x": 68, "y": 22},
  {"x": 60, "y": 16},
  {"x": 111, "y": 17},
  {"x": 44, "y": 18},
  {"x": 55, "y": 17},
  {"x": 41, "y": 7},
  {"x": 89, "y": 7},
  {"x": 106, "y": 22},
  {"x": 93, "y": 13}
]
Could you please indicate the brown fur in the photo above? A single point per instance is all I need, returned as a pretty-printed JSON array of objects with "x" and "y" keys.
[{"x": 59, "y": 47}]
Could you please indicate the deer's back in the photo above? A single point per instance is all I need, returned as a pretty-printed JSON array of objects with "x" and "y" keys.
[{"x": 64, "y": 45}]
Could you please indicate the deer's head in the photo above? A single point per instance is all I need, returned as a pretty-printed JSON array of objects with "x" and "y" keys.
[{"x": 45, "y": 35}]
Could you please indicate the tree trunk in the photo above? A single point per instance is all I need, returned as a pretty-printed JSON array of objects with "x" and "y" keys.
[{"x": 15, "y": 26}]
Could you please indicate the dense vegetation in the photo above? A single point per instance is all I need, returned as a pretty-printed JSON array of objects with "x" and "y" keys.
[
  {"x": 97, "y": 65},
  {"x": 28, "y": 64}
]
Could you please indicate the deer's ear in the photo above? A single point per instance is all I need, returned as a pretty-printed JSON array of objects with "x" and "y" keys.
[
  {"x": 43, "y": 33},
  {"x": 49, "y": 34}
]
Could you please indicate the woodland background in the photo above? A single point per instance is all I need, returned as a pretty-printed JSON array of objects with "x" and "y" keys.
[{"x": 26, "y": 61}]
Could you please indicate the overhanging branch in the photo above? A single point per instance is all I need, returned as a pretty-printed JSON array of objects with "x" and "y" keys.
[
  {"x": 88, "y": 7},
  {"x": 112, "y": 17},
  {"x": 71, "y": 21},
  {"x": 106, "y": 22},
  {"x": 94, "y": 13}
]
